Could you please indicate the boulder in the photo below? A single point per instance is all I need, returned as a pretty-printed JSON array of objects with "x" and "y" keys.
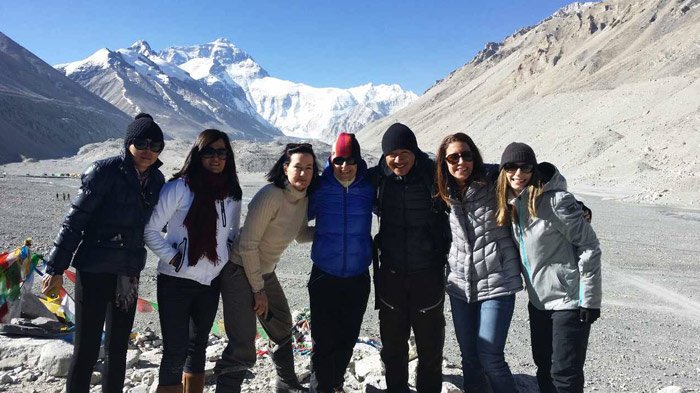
[
  {"x": 55, "y": 358},
  {"x": 371, "y": 365}
]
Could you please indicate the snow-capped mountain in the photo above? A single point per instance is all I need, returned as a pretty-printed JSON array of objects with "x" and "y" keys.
[
  {"x": 297, "y": 109},
  {"x": 43, "y": 114},
  {"x": 136, "y": 79}
]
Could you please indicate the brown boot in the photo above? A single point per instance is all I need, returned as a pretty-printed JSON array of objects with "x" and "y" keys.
[
  {"x": 169, "y": 389},
  {"x": 192, "y": 383}
]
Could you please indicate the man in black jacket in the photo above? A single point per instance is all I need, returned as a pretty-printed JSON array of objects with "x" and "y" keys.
[
  {"x": 413, "y": 242},
  {"x": 104, "y": 229}
]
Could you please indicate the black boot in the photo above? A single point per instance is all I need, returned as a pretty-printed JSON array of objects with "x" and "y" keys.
[
  {"x": 287, "y": 381},
  {"x": 229, "y": 382}
]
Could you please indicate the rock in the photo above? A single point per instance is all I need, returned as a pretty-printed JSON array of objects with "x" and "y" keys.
[
  {"x": 214, "y": 352},
  {"x": 139, "y": 389},
  {"x": 449, "y": 387},
  {"x": 132, "y": 357},
  {"x": 55, "y": 358},
  {"x": 12, "y": 362},
  {"x": 412, "y": 350},
  {"x": 95, "y": 378},
  {"x": 672, "y": 389},
  {"x": 412, "y": 372},
  {"x": 369, "y": 365},
  {"x": 6, "y": 378}
]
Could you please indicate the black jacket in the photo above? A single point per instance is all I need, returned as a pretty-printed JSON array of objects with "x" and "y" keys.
[
  {"x": 414, "y": 231},
  {"x": 106, "y": 220}
]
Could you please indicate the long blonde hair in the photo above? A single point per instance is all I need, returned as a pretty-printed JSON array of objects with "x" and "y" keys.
[{"x": 505, "y": 213}]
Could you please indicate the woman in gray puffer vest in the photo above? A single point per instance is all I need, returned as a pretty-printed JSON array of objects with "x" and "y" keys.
[{"x": 484, "y": 265}]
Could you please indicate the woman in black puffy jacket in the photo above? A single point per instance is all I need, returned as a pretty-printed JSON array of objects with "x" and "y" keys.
[{"x": 102, "y": 236}]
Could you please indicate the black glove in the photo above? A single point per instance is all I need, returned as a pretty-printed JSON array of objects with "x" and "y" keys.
[
  {"x": 588, "y": 315},
  {"x": 587, "y": 213}
]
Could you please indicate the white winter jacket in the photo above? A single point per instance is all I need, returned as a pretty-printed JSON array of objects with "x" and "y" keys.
[{"x": 174, "y": 203}]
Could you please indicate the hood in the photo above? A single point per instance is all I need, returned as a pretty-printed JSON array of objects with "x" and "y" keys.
[{"x": 553, "y": 180}]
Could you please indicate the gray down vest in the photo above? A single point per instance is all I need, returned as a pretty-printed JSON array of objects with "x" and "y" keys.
[{"x": 484, "y": 262}]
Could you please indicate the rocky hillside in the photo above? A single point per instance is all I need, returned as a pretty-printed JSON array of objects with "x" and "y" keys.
[
  {"x": 608, "y": 91},
  {"x": 43, "y": 114}
]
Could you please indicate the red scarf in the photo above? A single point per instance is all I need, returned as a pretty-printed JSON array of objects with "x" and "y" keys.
[{"x": 202, "y": 216}]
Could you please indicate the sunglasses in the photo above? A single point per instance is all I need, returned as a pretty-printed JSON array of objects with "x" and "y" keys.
[
  {"x": 513, "y": 167},
  {"x": 143, "y": 144},
  {"x": 339, "y": 161},
  {"x": 466, "y": 156},
  {"x": 210, "y": 152}
]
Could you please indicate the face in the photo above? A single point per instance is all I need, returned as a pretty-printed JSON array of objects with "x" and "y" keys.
[
  {"x": 517, "y": 177},
  {"x": 462, "y": 169},
  {"x": 299, "y": 170},
  {"x": 214, "y": 164},
  {"x": 345, "y": 171},
  {"x": 143, "y": 158},
  {"x": 400, "y": 161}
]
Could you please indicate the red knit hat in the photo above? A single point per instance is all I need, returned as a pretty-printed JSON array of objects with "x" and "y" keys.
[{"x": 346, "y": 146}]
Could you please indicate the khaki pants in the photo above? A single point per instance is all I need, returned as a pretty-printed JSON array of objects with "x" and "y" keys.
[{"x": 239, "y": 318}]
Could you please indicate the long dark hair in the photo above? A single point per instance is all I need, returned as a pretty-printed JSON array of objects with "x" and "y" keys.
[
  {"x": 193, "y": 163},
  {"x": 276, "y": 175},
  {"x": 443, "y": 178}
]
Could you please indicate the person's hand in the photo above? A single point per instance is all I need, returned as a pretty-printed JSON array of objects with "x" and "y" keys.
[
  {"x": 177, "y": 262},
  {"x": 260, "y": 306},
  {"x": 587, "y": 213},
  {"x": 588, "y": 315},
  {"x": 51, "y": 285}
]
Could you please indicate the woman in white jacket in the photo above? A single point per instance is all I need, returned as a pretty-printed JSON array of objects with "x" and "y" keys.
[{"x": 201, "y": 207}]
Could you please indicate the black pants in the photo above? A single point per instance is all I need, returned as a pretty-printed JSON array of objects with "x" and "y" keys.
[
  {"x": 337, "y": 308},
  {"x": 187, "y": 310},
  {"x": 559, "y": 342},
  {"x": 94, "y": 305},
  {"x": 412, "y": 301}
]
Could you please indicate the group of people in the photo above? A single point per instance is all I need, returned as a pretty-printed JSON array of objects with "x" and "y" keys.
[{"x": 453, "y": 225}]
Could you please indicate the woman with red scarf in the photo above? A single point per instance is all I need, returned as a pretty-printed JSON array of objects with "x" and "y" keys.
[{"x": 201, "y": 207}]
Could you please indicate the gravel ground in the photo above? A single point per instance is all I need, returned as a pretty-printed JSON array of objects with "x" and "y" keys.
[{"x": 647, "y": 338}]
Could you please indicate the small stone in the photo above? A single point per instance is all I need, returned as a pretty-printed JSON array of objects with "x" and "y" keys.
[
  {"x": 132, "y": 357},
  {"x": 6, "y": 379},
  {"x": 95, "y": 378},
  {"x": 139, "y": 389},
  {"x": 367, "y": 366},
  {"x": 448, "y": 387},
  {"x": 672, "y": 389}
]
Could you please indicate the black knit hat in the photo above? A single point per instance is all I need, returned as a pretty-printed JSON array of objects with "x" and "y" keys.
[
  {"x": 143, "y": 127},
  {"x": 398, "y": 136},
  {"x": 518, "y": 152}
]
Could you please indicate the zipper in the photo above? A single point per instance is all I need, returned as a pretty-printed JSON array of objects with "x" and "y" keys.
[
  {"x": 523, "y": 250},
  {"x": 387, "y": 304},
  {"x": 223, "y": 214},
  {"x": 425, "y": 310},
  {"x": 345, "y": 229}
]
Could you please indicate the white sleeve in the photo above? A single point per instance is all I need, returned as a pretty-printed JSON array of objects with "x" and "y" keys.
[
  {"x": 168, "y": 203},
  {"x": 234, "y": 221}
]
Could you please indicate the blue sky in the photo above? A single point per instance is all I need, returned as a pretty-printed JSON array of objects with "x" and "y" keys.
[{"x": 320, "y": 43}]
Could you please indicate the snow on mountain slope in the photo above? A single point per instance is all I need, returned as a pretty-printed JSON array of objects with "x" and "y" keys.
[
  {"x": 297, "y": 109},
  {"x": 136, "y": 80}
]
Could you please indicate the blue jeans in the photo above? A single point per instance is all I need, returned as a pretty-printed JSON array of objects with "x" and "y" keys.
[{"x": 482, "y": 329}]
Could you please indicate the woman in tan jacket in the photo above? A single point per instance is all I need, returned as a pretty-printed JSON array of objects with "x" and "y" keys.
[{"x": 249, "y": 286}]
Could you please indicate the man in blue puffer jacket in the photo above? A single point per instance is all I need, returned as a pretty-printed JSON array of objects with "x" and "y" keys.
[{"x": 342, "y": 252}]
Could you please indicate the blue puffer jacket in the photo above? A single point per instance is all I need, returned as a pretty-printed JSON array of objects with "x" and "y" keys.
[{"x": 342, "y": 243}]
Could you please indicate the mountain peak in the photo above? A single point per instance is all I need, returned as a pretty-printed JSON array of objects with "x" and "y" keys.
[
  {"x": 221, "y": 40},
  {"x": 142, "y": 47}
]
